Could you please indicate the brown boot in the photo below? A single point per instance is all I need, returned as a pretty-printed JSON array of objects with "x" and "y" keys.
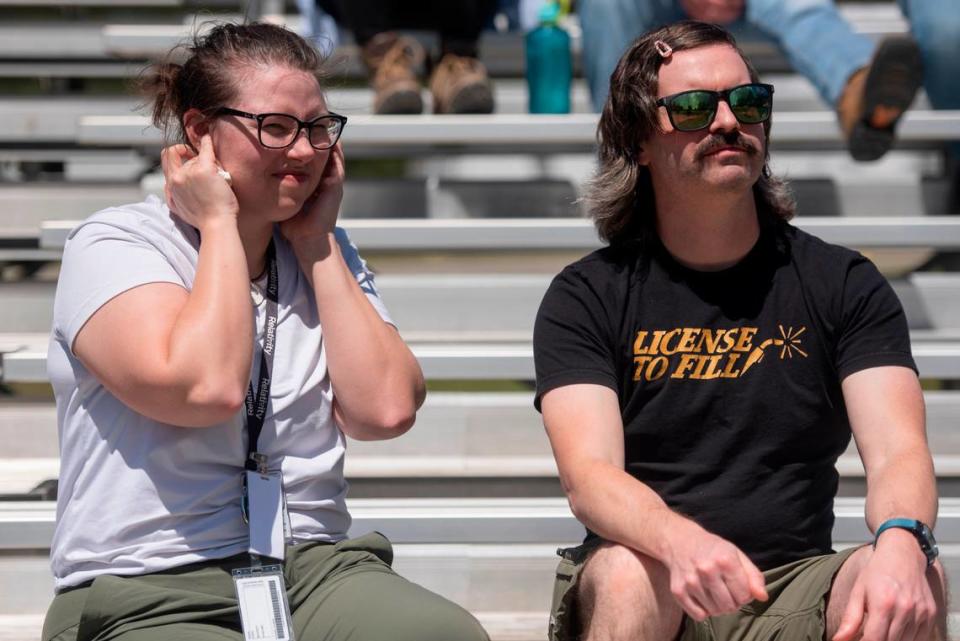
[
  {"x": 877, "y": 95},
  {"x": 460, "y": 86},
  {"x": 393, "y": 61}
]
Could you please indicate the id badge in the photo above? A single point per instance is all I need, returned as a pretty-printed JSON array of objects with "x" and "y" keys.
[
  {"x": 265, "y": 506},
  {"x": 262, "y": 597}
]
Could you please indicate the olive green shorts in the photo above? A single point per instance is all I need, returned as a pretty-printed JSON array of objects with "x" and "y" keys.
[
  {"x": 795, "y": 610},
  {"x": 337, "y": 591}
]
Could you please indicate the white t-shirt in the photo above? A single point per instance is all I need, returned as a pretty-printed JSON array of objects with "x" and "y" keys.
[{"x": 138, "y": 496}]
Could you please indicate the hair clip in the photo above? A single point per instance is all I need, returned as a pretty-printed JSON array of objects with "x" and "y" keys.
[{"x": 663, "y": 48}]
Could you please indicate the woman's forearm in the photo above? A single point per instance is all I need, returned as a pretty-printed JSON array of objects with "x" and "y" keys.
[{"x": 377, "y": 382}]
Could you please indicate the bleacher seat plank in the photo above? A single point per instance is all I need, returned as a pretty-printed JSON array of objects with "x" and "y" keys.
[
  {"x": 26, "y": 206},
  {"x": 28, "y": 525},
  {"x": 450, "y": 423},
  {"x": 502, "y": 307},
  {"x": 527, "y": 475},
  {"x": 513, "y": 131},
  {"x": 23, "y": 360},
  {"x": 541, "y": 234},
  {"x": 472, "y": 434}
]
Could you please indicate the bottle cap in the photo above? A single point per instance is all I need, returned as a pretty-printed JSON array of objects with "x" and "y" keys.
[{"x": 549, "y": 13}]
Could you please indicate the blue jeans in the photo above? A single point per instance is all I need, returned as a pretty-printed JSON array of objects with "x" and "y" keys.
[
  {"x": 936, "y": 28},
  {"x": 817, "y": 41}
]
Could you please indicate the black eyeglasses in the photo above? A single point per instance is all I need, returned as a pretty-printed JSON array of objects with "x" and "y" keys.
[
  {"x": 276, "y": 131},
  {"x": 694, "y": 110}
]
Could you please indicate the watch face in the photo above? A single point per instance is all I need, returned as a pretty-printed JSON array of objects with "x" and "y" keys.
[{"x": 929, "y": 544}]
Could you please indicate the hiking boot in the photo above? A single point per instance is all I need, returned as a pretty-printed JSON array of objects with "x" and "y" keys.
[
  {"x": 460, "y": 86},
  {"x": 877, "y": 95},
  {"x": 393, "y": 62}
]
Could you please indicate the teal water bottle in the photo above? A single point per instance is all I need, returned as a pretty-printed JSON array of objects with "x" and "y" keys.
[{"x": 549, "y": 70}]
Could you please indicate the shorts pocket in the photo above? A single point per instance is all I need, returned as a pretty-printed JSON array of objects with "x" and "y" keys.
[{"x": 564, "y": 622}]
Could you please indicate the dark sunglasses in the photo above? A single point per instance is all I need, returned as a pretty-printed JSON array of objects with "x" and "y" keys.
[{"x": 694, "y": 110}]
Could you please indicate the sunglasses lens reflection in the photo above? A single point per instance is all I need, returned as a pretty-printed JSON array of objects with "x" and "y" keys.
[
  {"x": 750, "y": 104},
  {"x": 693, "y": 110}
]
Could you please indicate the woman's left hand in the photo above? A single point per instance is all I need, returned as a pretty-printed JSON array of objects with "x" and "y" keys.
[{"x": 318, "y": 216}]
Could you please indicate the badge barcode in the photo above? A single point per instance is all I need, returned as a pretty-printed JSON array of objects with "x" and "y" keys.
[{"x": 277, "y": 613}]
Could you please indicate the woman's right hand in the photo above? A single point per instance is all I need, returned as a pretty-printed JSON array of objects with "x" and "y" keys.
[{"x": 194, "y": 190}]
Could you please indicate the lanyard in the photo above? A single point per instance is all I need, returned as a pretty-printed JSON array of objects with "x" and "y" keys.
[{"x": 256, "y": 405}]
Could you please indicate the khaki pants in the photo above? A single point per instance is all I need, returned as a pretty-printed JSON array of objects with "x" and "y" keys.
[
  {"x": 337, "y": 592},
  {"x": 796, "y": 609}
]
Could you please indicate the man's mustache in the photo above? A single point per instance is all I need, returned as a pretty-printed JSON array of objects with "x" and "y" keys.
[{"x": 730, "y": 139}]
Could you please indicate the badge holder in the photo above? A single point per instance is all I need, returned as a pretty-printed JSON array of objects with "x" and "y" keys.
[{"x": 262, "y": 597}]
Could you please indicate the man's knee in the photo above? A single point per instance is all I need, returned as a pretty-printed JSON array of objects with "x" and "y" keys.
[
  {"x": 618, "y": 568},
  {"x": 626, "y": 593}
]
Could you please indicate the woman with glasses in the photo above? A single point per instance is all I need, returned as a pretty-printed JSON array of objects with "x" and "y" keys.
[{"x": 210, "y": 352}]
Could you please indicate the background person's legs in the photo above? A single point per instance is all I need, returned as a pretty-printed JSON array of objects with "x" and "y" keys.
[
  {"x": 459, "y": 83},
  {"x": 870, "y": 86},
  {"x": 459, "y": 22},
  {"x": 609, "y": 26},
  {"x": 817, "y": 40},
  {"x": 625, "y": 596},
  {"x": 936, "y": 28}
]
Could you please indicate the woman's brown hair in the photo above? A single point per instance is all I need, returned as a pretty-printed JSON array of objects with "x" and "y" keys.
[{"x": 212, "y": 68}]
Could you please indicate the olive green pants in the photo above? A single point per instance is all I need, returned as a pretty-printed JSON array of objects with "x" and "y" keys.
[
  {"x": 337, "y": 592},
  {"x": 795, "y": 610}
]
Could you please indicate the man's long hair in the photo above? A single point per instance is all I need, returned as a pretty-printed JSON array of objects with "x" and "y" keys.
[{"x": 620, "y": 197}]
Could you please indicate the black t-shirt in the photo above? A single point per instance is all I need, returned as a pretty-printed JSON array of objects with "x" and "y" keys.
[{"x": 728, "y": 381}]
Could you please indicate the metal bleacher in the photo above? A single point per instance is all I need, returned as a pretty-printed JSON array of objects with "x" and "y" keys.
[{"x": 465, "y": 220}]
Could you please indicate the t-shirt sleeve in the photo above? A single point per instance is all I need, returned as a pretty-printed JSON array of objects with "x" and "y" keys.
[
  {"x": 100, "y": 262},
  {"x": 572, "y": 337},
  {"x": 873, "y": 326},
  {"x": 364, "y": 276}
]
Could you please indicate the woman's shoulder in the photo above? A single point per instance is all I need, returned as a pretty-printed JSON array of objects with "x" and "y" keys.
[{"x": 148, "y": 221}]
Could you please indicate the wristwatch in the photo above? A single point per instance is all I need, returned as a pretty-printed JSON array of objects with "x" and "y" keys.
[{"x": 920, "y": 531}]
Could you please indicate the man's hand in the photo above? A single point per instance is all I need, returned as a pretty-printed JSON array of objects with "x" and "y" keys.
[
  {"x": 711, "y": 576},
  {"x": 891, "y": 599},
  {"x": 716, "y": 11}
]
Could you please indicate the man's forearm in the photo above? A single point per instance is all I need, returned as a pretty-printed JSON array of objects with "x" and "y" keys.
[
  {"x": 619, "y": 508},
  {"x": 904, "y": 487}
]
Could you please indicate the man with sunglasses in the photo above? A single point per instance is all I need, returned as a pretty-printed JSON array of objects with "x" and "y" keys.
[{"x": 699, "y": 378}]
